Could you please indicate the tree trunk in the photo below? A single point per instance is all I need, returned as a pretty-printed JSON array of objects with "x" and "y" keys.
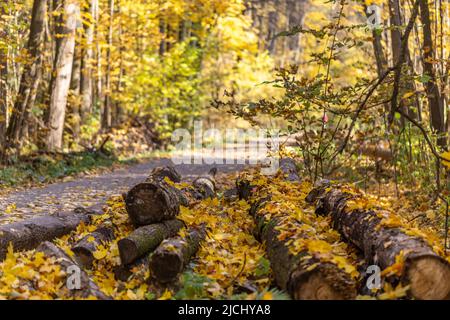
[
  {"x": 433, "y": 93},
  {"x": 174, "y": 254},
  {"x": 145, "y": 239},
  {"x": 85, "y": 248},
  {"x": 88, "y": 288},
  {"x": 378, "y": 50},
  {"x": 107, "y": 107},
  {"x": 396, "y": 20},
  {"x": 157, "y": 200},
  {"x": 86, "y": 81},
  {"x": 74, "y": 104},
  {"x": 31, "y": 75},
  {"x": 426, "y": 272},
  {"x": 301, "y": 275},
  {"x": 3, "y": 81},
  {"x": 61, "y": 76},
  {"x": 28, "y": 234}
]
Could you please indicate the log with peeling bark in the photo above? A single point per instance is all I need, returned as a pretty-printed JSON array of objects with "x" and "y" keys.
[
  {"x": 174, "y": 254},
  {"x": 146, "y": 238},
  {"x": 157, "y": 200},
  {"x": 427, "y": 273},
  {"x": 87, "y": 288},
  {"x": 28, "y": 234},
  {"x": 302, "y": 276},
  {"x": 84, "y": 249}
]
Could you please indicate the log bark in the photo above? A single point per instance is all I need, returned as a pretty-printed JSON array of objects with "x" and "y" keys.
[
  {"x": 164, "y": 172},
  {"x": 145, "y": 239},
  {"x": 157, "y": 200},
  {"x": 425, "y": 271},
  {"x": 174, "y": 254},
  {"x": 87, "y": 287},
  {"x": 28, "y": 234},
  {"x": 302, "y": 276},
  {"x": 85, "y": 248}
]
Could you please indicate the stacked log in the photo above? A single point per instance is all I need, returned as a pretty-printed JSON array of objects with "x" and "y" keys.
[
  {"x": 84, "y": 249},
  {"x": 158, "y": 200},
  {"x": 145, "y": 239},
  {"x": 301, "y": 275},
  {"x": 153, "y": 205},
  {"x": 425, "y": 271},
  {"x": 174, "y": 254},
  {"x": 28, "y": 234}
]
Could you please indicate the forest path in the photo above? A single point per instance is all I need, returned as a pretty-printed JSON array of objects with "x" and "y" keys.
[{"x": 92, "y": 191}]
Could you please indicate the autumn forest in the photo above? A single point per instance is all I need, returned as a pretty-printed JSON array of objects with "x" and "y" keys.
[{"x": 224, "y": 150}]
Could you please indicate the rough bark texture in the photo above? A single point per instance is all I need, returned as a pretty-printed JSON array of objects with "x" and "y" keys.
[
  {"x": 61, "y": 76},
  {"x": 145, "y": 239},
  {"x": 28, "y": 234},
  {"x": 87, "y": 287},
  {"x": 173, "y": 254},
  {"x": 294, "y": 273},
  {"x": 156, "y": 200},
  {"x": 433, "y": 93},
  {"x": 426, "y": 272},
  {"x": 31, "y": 75},
  {"x": 86, "y": 77},
  {"x": 85, "y": 248}
]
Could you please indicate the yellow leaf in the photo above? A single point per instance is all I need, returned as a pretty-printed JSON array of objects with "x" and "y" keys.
[
  {"x": 100, "y": 253},
  {"x": 167, "y": 295}
]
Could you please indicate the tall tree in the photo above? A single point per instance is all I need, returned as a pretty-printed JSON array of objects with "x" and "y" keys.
[
  {"x": 107, "y": 112},
  {"x": 435, "y": 102},
  {"x": 31, "y": 76},
  {"x": 3, "y": 77},
  {"x": 397, "y": 23},
  {"x": 86, "y": 81},
  {"x": 61, "y": 75}
]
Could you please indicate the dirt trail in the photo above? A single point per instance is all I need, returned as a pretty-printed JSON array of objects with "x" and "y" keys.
[{"x": 89, "y": 191}]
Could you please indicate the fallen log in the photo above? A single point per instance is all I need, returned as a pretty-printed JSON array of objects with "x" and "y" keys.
[
  {"x": 28, "y": 234},
  {"x": 84, "y": 249},
  {"x": 427, "y": 273},
  {"x": 145, "y": 239},
  {"x": 174, "y": 254},
  {"x": 87, "y": 288},
  {"x": 157, "y": 200},
  {"x": 161, "y": 173},
  {"x": 301, "y": 274}
]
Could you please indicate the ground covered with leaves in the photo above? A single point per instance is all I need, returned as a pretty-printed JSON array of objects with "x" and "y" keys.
[{"x": 231, "y": 262}]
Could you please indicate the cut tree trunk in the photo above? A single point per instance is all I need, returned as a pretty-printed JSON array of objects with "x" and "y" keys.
[
  {"x": 145, "y": 239},
  {"x": 157, "y": 200},
  {"x": 174, "y": 254},
  {"x": 85, "y": 248},
  {"x": 302, "y": 276},
  {"x": 426, "y": 272},
  {"x": 28, "y": 234},
  {"x": 87, "y": 287}
]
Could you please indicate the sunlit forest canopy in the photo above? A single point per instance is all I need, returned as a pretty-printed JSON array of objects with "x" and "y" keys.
[{"x": 346, "y": 77}]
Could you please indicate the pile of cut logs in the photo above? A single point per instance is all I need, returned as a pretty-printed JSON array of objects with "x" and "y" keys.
[{"x": 154, "y": 204}]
